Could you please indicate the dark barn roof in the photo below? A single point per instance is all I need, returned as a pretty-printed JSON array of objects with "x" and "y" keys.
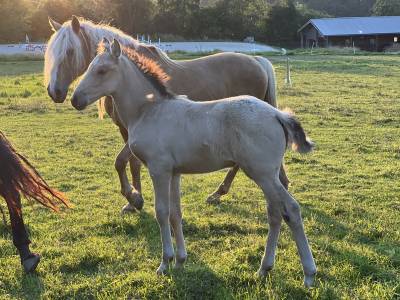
[{"x": 356, "y": 25}]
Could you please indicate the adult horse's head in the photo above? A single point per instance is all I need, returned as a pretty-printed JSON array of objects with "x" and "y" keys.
[{"x": 67, "y": 57}]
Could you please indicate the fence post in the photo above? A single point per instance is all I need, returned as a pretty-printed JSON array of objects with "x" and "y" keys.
[{"x": 288, "y": 79}]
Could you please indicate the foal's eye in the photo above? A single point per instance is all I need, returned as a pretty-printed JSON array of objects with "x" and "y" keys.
[{"x": 101, "y": 71}]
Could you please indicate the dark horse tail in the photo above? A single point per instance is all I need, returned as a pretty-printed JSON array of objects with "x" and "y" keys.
[{"x": 18, "y": 175}]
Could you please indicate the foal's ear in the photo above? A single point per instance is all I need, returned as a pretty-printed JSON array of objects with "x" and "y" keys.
[
  {"x": 55, "y": 26},
  {"x": 106, "y": 43},
  {"x": 116, "y": 48},
  {"x": 76, "y": 25}
]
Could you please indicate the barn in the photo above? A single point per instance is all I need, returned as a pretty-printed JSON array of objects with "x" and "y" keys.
[{"x": 366, "y": 33}]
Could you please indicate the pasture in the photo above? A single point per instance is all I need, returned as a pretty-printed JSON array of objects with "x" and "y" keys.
[{"x": 348, "y": 188}]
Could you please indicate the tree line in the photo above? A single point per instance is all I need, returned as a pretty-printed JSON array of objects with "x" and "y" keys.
[{"x": 271, "y": 21}]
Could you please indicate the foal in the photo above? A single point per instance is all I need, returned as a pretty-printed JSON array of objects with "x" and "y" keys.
[
  {"x": 73, "y": 46},
  {"x": 172, "y": 135},
  {"x": 18, "y": 176}
]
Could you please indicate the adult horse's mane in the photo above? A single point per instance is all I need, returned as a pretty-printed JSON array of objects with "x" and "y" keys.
[
  {"x": 65, "y": 38},
  {"x": 17, "y": 174},
  {"x": 152, "y": 71}
]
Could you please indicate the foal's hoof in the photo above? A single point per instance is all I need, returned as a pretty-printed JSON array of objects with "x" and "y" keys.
[
  {"x": 309, "y": 280},
  {"x": 31, "y": 262},
  {"x": 214, "y": 199},
  {"x": 162, "y": 269},
  {"x": 263, "y": 272},
  {"x": 136, "y": 200}
]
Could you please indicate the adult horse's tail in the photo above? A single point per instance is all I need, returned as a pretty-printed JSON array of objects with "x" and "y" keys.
[
  {"x": 18, "y": 175},
  {"x": 270, "y": 96},
  {"x": 101, "y": 108}
]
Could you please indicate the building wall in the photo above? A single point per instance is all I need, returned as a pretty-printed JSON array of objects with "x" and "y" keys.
[
  {"x": 310, "y": 36},
  {"x": 367, "y": 42}
]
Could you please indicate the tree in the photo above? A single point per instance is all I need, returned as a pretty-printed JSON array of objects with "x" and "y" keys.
[
  {"x": 133, "y": 16},
  {"x": 341, "y": 8},
  {"x": 282, "y": 23},
  {"x": 14, "y": 23},
  {"x": 177, "y": 17},
  {"x": 387, "y": 8}
]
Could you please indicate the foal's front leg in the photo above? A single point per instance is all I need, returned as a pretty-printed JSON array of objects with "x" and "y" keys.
[
  {"x": 175, "y": 218},
  {"x": 133, "y": 196},
  {"x": 161, "y": 183}
]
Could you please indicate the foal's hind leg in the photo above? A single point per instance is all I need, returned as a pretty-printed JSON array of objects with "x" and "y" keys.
[
  {"x": 134, "y": 198},
  {"x": 224, "y": 187},
  {"x": 275, "y": 222},
  {"x": 280, "y": 198},
  {"x": 21, "y": 241}
]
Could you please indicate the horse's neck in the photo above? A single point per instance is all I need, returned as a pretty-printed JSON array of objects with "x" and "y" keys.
[
  {"x": 170, "y": 66},
  {"x": 135, "y": 94}
]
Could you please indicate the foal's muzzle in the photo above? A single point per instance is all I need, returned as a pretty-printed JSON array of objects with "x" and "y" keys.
[{"x": 77, "y": 102}]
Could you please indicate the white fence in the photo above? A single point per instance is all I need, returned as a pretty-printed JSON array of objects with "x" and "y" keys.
[
  {"x": 39, "y": 49},
  {"x": 22, "y": 49}
]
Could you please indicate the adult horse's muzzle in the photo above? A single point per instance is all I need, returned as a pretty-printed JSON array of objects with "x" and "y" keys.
[
  {"x": 78, "y": 101},
  {"x": 58, "y": 96}
]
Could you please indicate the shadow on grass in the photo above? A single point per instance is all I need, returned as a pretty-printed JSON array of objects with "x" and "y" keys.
[
  {"x": 195, "y": 281},
  {"x": 366, "y": 266}
]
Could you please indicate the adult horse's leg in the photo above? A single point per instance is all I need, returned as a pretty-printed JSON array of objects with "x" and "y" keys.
[
  {"x": 283, "y": 177},
  {"x": 224, "y": 187},
  {"x": 21, "y": 241},
  {"x": 135, "y": 164},
  {"x": 133, "y": 196}
]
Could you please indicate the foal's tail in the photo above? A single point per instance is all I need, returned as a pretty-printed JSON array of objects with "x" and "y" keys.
[
  {"x": 17, "y": 174},
  {"x": 294, "y": 133}
]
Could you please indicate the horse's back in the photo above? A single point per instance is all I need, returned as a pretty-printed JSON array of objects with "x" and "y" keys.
[{"x": 220, "y": 76}]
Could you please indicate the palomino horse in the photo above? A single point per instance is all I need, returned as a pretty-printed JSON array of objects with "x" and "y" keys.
[
  {"x": 73, "y": 46},
  {"x": 18, "y": 176},
  {"x": 172, "y": 135}
]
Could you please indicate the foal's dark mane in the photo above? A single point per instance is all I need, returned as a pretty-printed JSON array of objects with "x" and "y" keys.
[
  {"x": 150, "y": 69},
  {"x": 17, "y": 175}
]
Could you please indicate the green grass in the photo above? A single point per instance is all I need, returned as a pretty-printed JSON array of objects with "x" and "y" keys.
[{"x": 348, "y": 189}]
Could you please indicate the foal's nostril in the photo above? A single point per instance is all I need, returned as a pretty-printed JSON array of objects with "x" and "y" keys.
[{"x": 58, "y": 93}]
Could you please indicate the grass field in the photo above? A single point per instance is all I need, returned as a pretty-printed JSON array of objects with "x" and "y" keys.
[{"x": 349, "y": 190}]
